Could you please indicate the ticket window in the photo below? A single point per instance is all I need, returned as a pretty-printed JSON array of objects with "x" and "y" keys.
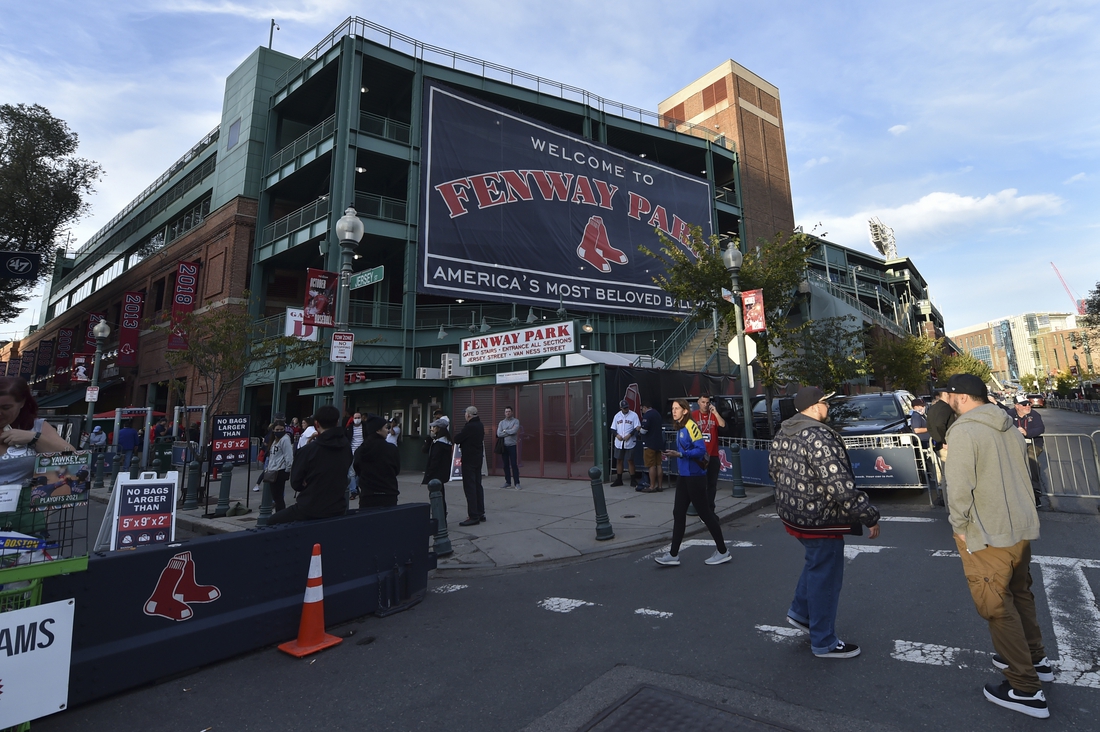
[
  {"x": 416, "y": 426},
  {"x": 399, "y": 414}
]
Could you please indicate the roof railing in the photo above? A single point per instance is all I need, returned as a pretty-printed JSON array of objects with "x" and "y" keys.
[
  {"x": 362, "y": 28},
  {"x": 190, "y": 155}
]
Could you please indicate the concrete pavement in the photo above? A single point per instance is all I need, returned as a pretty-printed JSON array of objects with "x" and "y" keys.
[{"x": 549, "y": 520}]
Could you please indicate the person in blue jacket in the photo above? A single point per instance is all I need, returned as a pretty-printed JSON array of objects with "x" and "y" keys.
[{"x": 691, "y": 487}]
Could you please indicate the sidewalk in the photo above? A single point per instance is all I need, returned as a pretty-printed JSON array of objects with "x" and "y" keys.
[{"x": 548, "y": 520}]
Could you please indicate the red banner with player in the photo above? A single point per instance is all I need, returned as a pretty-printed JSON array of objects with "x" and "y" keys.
[
  {"x": 128, "y": 328},
  {"x": 320, "y": 307},
  {"x": 753, "y": 302},
  {"x": 82, "y": 366},
  {"x": 183, "y": 302},
  {"x": 89, "y": 336}
]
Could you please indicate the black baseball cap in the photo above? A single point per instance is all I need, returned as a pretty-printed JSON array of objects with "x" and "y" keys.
[
  {"x": 808, "y": 396},
  {"x": 967, "y": 384}
]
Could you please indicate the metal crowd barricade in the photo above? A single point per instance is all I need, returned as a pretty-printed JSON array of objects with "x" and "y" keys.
[{"x": 1071, "y": 465}]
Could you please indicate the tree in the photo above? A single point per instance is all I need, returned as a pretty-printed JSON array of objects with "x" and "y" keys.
[
  {"x": 964, "y": 363},
  {"x": 221, "y": 350},
  {"x": 1065, "y": 384},
  {"x": 694, "y": 273},
  {"x": 43, "y": 186},
  {"x": 905, "y": 362},
  {"x": 1090, "y": 322},
  {"x": 1029, "y": 382},
  {"x": 827, "y": 352}
]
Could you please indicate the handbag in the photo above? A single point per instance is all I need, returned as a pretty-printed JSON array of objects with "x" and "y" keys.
[
  {"x": 499, "y": 447},
  {"x": 270, "y": 476}
]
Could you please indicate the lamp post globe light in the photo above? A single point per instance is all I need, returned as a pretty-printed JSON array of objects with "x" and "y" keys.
[
  {"x": 349, "y": 230},
  {"x": 102, "y": 332},
  {"x": 732, "y": 259}
]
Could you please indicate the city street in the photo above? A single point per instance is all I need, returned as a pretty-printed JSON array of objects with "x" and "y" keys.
[{"x": 549, "y": 648}]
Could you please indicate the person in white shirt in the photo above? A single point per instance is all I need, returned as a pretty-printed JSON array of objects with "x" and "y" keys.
[
  {"x": 395, "y": 429},
  {"x": 308, "y": 432},
  {"x": 625, "y": 425}
]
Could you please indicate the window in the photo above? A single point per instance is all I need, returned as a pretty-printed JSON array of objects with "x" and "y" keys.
[
  {"x": 189, "y": 219},
  {"x": 108, "y": 274},
  {"x": 81, "y": 292},
  {"x": 234, "y": 135}
]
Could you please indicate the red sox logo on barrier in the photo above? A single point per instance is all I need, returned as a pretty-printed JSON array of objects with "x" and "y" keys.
[
  {"x": 177, "y": 588},
  {"x": 881, "y": 466}
]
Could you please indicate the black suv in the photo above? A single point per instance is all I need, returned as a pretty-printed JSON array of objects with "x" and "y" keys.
[{"x": 871, "y": 414}]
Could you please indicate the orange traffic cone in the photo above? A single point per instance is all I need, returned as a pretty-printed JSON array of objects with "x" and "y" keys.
[{"x": 311, "y": 631}]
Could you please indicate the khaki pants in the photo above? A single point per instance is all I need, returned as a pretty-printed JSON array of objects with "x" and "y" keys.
[{"x": 1000, "y": 583}]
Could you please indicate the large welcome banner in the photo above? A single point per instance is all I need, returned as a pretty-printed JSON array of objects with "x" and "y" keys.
[{"x": 517, "y": 211}]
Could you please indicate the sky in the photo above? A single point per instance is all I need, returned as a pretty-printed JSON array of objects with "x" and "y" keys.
[{"x": 972, "y": 129}]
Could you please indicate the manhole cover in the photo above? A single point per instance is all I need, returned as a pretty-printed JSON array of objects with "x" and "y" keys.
[{"x": 649, "y": 709}]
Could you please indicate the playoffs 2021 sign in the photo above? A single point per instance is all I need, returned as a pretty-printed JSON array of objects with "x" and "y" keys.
[{"x": 517, "y": 211}]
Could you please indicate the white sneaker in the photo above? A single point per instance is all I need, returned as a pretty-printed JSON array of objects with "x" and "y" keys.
[
  {"x": 255, "y": 489},
  {"x": 719, "y": 558},
  {"x": 668, "y": 560}
]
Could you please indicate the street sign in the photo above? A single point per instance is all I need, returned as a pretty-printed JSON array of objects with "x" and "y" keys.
[
  {"x": 91, "y": 394},
  {"x": 367, "y": 277},
  {"x": 231, "y": 440},
  {"x": 144, "y": 511},
  {"x": 735, "y": 353},
  {"x": 343, "y": 346}
]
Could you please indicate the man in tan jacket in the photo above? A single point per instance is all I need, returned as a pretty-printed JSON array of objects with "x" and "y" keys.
[{"x": 992, "y": 513}]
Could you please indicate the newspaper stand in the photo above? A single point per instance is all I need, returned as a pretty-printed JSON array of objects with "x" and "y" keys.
[{"x": 41, "y": 535}]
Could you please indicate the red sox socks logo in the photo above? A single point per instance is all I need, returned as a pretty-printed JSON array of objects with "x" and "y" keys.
[
  {"x": 881, "y": 466},
  {"x": 724, "y": 463},
  {"x": 596, "y": 249},
  {"x": 177, "y": 588}
]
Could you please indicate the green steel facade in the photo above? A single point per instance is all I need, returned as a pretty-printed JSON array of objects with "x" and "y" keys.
[{"x": 343, "y": 126}]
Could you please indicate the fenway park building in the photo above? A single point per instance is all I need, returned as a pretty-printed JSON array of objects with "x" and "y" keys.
[{"x": 494, "y": 201}]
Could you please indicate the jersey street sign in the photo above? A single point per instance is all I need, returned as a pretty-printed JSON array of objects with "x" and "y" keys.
[{"x": 367, "y": 277}]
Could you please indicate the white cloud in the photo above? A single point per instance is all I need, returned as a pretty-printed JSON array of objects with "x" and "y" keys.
[
  {"x": 307, "y": 11},
  {"x": 813, "y": 162},
  {"x": 898, "y": 129},
  {"x": 1074, "y": 179},
  {"x": 938, "y": 212}
]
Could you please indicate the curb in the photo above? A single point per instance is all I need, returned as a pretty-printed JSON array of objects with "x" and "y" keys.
[{"x": 623, "y": 548}]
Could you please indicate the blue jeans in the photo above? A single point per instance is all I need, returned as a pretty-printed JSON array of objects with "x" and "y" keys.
[
  {"x": 511, "y": 466},
  {"x": 818, "y": 592}
]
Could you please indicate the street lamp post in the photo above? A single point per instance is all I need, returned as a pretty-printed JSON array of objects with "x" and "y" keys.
[
  {"x": 101, "y": 331},
  {"x": 349, "y": 229},
  {"x": 732, "y": 258}
]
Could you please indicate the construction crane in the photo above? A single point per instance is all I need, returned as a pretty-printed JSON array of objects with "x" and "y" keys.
[{"x": 1078, "y": 303}]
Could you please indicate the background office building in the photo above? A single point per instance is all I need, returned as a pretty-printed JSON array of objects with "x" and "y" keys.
[{"x": 1040, "y": 344}]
